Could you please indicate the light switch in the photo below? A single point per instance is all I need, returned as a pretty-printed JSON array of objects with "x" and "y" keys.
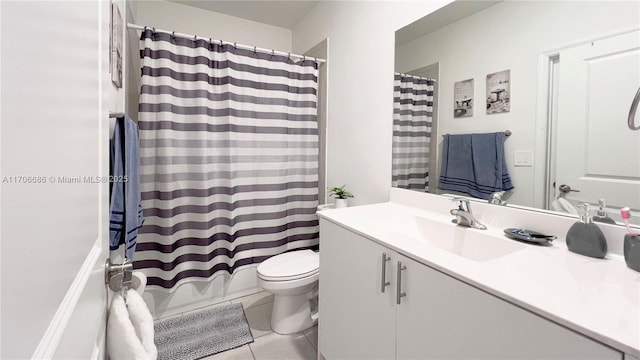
[{"x": 523, "y": 158}]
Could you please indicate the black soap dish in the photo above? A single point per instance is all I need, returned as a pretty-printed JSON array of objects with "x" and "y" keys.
[{"x": 529, "y": 236}]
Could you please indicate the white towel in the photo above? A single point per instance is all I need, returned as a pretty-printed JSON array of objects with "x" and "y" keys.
[
  {"x": 130, "y": 329},
  {"x": 560, "y": 204}
]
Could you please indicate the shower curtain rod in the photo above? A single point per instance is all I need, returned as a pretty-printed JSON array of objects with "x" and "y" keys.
[{"x": 241, "y": 46}]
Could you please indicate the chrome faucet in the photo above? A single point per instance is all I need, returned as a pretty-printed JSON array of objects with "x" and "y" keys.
[
  {"x": 464, "y": 216},
  {"x": 496, "y": 198}
]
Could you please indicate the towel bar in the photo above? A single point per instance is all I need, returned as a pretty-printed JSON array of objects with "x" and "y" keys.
[{"x": 506, "y": 133}]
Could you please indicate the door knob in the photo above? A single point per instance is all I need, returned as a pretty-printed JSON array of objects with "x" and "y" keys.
[{"x": 564, "y": 188}]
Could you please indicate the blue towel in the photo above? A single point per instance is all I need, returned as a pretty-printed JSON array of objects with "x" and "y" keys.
[
  {"x": 474, "y": 164},
  {"x": 126, "y": 201}
]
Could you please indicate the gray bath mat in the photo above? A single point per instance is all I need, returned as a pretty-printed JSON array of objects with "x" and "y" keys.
[{"x": 202, "y": 332}]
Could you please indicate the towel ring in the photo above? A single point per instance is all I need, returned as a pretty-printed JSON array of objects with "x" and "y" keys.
[{"x": 632, "y": 112}]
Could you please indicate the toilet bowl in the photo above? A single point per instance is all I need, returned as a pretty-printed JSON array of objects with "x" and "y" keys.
[{"x": 293, "y": 279}]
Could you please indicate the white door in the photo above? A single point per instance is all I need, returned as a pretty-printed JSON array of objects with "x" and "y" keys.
[
  {"x": 54, "y": 133},
  {"x": 597, "y": 153}
]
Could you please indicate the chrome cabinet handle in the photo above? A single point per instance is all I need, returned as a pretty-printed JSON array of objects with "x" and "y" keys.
[
  {"x": 399, "y": 293},
  {"x": 383, "y": 279}
]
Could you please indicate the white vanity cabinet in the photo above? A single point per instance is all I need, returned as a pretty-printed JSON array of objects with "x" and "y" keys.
[
  {"x": 357, "y": 320},
  {"x": 438, "y": 317}
]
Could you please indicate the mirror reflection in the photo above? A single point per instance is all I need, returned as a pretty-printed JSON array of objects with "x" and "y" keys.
[{"x": 559, "y": 77}]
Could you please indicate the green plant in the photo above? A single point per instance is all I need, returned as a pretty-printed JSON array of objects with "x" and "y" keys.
[{"x": 339, "y": 192}]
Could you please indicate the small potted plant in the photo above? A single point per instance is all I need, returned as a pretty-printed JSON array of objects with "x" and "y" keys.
[{"x": 341, "y": 195}]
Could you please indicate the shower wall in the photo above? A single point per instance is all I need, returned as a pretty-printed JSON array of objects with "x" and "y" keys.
[{"x": 171, "y": 16}]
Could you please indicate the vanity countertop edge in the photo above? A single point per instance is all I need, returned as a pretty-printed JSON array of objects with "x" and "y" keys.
[{"x": 599, "y": 298}]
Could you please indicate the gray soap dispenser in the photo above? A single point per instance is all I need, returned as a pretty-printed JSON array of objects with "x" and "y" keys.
[
  {"x": 601, "y": 215},
  {"x": 586, "y": 238}
]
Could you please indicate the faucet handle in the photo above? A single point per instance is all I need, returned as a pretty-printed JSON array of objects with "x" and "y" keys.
[
  {"x": 459, "y": 198},
  {"x": 464, "y": 203},
  {"x": 496, "y": 198}
]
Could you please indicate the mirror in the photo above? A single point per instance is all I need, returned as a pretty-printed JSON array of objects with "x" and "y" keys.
[{"x": 558, "y": 75}]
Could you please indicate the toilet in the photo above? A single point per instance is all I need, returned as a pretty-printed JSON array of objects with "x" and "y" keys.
[{"x": 293, "y": 279}]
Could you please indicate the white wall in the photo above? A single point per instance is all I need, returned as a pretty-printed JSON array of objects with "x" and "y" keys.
[
  {"x": 189, "y": 20},
  {"x": 186, "y": 19},
  {"x": 510, "y": 35},
  {"x": 360, "y": 101}
]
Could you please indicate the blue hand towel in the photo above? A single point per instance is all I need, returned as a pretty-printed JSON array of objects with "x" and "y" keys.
[
  {"x": 474, "y": 164},
  {"x": 126, "y": 201}
]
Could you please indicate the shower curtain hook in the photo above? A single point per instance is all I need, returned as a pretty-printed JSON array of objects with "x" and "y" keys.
[
  {"x": 254, "y": 49},
  {"x": 235, "y": 46},
  {"x": 272, "y": 52},
  {"x": 195, "y": 37},
  {"x": 173, "y": 35}
]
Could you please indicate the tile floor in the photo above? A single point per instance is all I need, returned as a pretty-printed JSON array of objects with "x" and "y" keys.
[{"x": 268, "y": 344}]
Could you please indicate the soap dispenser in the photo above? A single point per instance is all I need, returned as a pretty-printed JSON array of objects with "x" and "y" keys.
[
  {"x": 586, "y": 238},
  {"x": 601, "y": 215}
]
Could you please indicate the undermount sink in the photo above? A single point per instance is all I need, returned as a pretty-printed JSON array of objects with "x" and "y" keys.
[{"x": 472, "y": 244}]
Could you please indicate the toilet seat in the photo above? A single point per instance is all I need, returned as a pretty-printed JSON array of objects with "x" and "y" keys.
[{"x": 290, "y": 266}]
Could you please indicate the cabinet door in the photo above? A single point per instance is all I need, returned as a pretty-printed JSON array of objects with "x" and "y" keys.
[
  {"x": 357, "y": 320},
  {"x": 443, "y": 318}
]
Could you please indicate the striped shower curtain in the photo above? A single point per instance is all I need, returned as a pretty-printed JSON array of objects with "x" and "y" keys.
[
  {"x": 228, "y": 158},
  {"x": 412, "y": 115}
]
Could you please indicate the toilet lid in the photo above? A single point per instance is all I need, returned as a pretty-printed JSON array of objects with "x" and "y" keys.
[{"x": 290, "y": 266}]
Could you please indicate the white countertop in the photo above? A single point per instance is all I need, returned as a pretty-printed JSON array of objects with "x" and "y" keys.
[{"x": 599, "y": 298}]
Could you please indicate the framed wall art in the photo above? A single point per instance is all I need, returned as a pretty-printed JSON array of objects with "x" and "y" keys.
[
  {"x": 499, "y": 92},
  {"x": 463, "y": 98},
  {"x": 115, "y": 46}
]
